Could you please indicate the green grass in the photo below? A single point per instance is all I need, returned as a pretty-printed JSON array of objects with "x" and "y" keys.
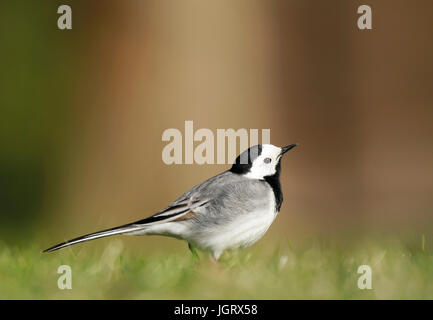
[{"x": 273, "y": 270}]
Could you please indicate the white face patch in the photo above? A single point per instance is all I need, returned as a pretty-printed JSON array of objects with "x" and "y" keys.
[{"x": 261, "y": 166}]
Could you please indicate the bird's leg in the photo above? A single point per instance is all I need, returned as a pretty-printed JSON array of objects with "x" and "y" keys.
[
  {"x": 214, "y": 256},
  {"x": 213, "y": 260},
  {"x": 193, "y": 251}
]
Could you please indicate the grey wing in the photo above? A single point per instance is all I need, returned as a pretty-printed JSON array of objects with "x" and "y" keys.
[
  {"x": 237, "y": 196},
  {"x": 189, "y": 203},
  {"x": 186, "y": 205},
  {"x": 219, "y": 196},
  {"x": 227, "y": 196},
  {"x": 176, "y": 211}
]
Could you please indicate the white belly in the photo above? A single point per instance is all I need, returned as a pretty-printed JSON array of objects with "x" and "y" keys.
[{"x": 241, "y": 232}]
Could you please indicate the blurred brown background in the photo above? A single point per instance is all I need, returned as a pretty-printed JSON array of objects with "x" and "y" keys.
[{"x": 85, "y": 109}]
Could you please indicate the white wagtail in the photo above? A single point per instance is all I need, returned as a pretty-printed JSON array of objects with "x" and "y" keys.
[{"x": 231, "y": 210}]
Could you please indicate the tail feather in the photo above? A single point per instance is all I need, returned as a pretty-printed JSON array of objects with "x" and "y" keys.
[
  {"x": 169, "y": 214},
  {"x": 96, "y": 235}
]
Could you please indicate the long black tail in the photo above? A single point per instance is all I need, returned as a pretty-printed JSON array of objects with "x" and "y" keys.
[
  {"x": 170, "y": 213},
  {"x": 96, "y": 235}
]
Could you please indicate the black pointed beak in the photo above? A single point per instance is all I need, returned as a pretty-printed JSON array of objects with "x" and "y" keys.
[{"x": 285, "y": 149}]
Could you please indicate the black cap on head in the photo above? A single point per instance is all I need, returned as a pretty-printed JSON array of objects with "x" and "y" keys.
[{"x": 245, "y": 160}]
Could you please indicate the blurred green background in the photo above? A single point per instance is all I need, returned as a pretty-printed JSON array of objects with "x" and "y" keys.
[{"x": 83, "y": 111}]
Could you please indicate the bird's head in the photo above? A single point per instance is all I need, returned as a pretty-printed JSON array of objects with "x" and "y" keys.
[{"x": 260, "y": 161}]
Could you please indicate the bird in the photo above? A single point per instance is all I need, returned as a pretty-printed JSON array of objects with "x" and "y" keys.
[{"x": 229, "y": 211}]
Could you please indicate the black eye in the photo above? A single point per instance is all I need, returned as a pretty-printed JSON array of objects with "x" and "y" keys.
[{"x": 267, "y": 160}]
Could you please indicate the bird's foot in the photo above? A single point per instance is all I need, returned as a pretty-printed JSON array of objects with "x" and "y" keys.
[{"x": 214, "y": 260}]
